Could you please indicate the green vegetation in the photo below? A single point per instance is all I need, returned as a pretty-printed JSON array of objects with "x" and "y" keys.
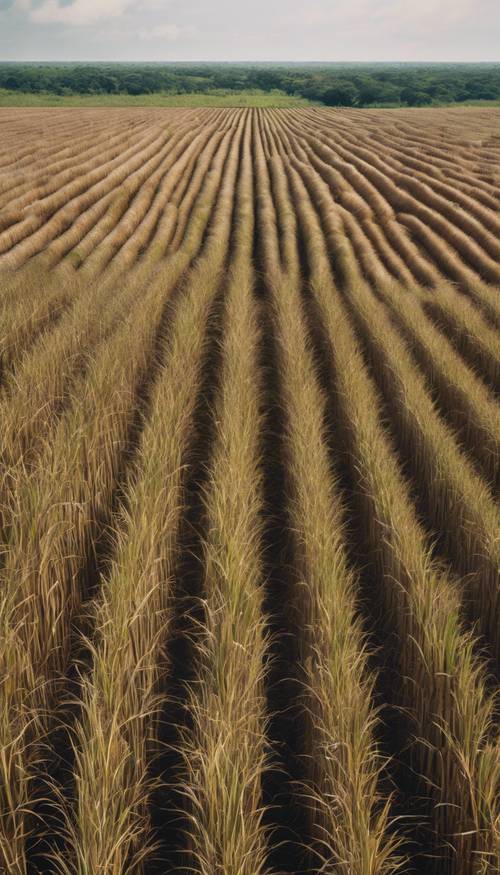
[
  {"x": 250, "y": 84},
  {"x": 218, "y": 97}
]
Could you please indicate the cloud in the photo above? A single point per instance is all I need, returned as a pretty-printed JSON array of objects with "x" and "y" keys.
[
  {"x": 81, "y": 12},
  {"x": 160, "y": 31},
  {"x": 84, "y": 12},
  {"x": 445, "y": 30},
  {"x": 393, "y": 15},
  {"x": 428, "y": 14}
]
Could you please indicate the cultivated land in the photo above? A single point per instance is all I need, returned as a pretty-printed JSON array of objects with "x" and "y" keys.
[{"x": 249, "y": 473}]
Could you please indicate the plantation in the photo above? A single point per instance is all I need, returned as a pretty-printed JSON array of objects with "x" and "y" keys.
[{"x": 249, "y": 474}]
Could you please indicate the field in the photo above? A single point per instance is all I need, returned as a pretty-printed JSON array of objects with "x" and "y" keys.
[
  {"x": 215, "y": 97},
  {"x": 250, "y": 445}
]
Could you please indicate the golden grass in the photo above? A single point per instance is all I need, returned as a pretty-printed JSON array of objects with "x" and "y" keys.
[
  {"x": 225, "y": 749},
  {"x": 76, "y": 472},
  {"x": 109, "y": 829},
  {"x": 66, "y": 494},
  {"x": 461, "y": 508},
  {"x": 458, "y": 501},
  {"x": 349, "y": 816},
  {"x": 469, "y": 330},
  {"x": 454, "y": 748},
  {"x": 153, "y": 263},
  {"x": 461, "y": 395}
]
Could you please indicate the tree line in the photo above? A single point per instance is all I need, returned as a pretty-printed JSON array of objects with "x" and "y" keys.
[{"x": 331, "y": 84}]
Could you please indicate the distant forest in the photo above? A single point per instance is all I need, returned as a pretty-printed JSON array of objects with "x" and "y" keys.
[{"x": 330, "y": 84}]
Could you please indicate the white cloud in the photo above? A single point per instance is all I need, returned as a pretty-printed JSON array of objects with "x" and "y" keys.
[
  {"x": 440, "y": 30},
  {"x": 83, "y": 12},
  {"x": 430, "y": 13},
  {"x": 80, "y": 12},
  {"x": 395, "y": 14},
  {"x": 160, "y": 31}
]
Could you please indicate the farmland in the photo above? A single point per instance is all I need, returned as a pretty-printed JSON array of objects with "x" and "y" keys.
[{"x": 250, "y": 463}]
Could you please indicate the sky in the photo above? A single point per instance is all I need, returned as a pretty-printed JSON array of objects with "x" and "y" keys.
[{"x": 250, "y": 30}]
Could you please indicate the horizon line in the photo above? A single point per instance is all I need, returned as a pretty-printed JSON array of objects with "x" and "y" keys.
[{"x": 225, "y": 61}]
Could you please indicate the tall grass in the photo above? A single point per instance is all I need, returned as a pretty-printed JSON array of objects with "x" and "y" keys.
[
  {"x": 457, "y": 500},
  {"x": 39, "y": 211},
  {"x": 45, "y": 381},
  {"x": 108, "y": 831},
  {"x": 66, "y": 496},
  {"x": 459, "y": 503},
  {"x": 242, "y": 323},
  {"x": 454, "y": 225},
  {"x": 358, "y": 194},
  {"x": 225, "y": 748},
  {"x": 440, "y": 683},
  {"x": 57, "y": 170},
  {"x": 27, "y": 309},
  {"x": 50, "y": 218},
  {"x": 348, "y": 815},
  {"x": 463, "y": 398},
  {"x": 469, "y": 330},
  {"x": 134, "y": 203}
]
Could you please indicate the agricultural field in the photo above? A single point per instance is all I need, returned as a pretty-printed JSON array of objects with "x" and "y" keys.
[{"x": 250, "y": 446}]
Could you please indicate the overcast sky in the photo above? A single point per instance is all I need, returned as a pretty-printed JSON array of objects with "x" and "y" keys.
[{"x": 262, "y": 30}]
